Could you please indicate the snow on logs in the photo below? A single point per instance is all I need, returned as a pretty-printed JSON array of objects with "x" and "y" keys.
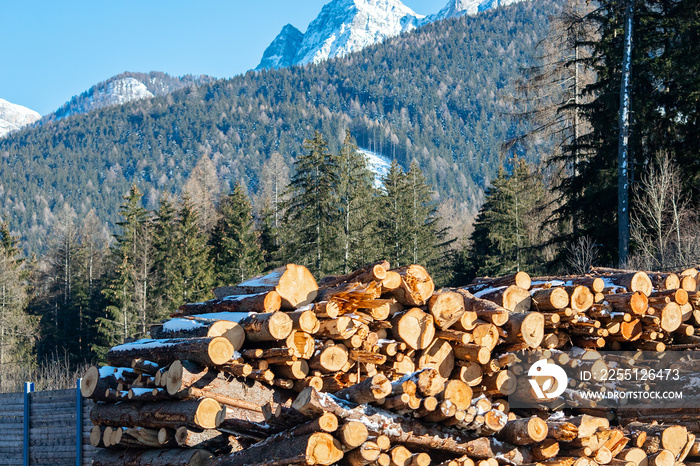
[{"x": 377, "y": 367}]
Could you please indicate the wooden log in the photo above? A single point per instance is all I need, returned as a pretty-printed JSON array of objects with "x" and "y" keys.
[
  {"x": 499, "y": 383},
  {"x": 270, "y": 326},
  {"x": 205, "y": 413},
  {"x": 634, "y": 455},
  {"x": 98, "y": 380},
  {"x": 364, "y": 454},
  {"x": 414, "y": 327},
  {"x": 304, "y": 320},
  {"x": 352, "y": 434},
  {"x": 632, "y": 281},
  {"x": 416, "y": 286},
  {"x": 365, "y": 274},
  {"x": 545, "y": 450},
  {"x": 472, "y": 352},
  {"x": 664, "y": 281},
  {"x": 391, "y": 282},
  {"x": 662, "y": 458},
  {"x": 513, "y": 298},
  {"x": 525, "y": 431},
  {"x": 207, "y": 439},
  {"x": 521, "y": 279},
  {"x": 439, "y": 355},
  {"x": 468, "y": 372},
  {"x": 481, "y": 308},
  {"x": 144, "y": 366},
  {"x": 209, "y": 351},
  {"x": 581, "y": 299},
  {"x": 369, "y": 390},
  {"x": 526, "y": 328},
  {"x": 636, "y": 302},
  {"x": 316, "y": 448},
  {"x": 329, "y": 358},
  {"x": 550, "y": 299},
  {"x": 446, "y": 307},
  {"x": 295, "y": 285},
  {"x": 268, "y": 301},
  {"x": 458, "y": 393},
  {"x": 159, "y": 457}
]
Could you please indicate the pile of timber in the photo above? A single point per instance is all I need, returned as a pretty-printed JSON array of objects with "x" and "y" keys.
[{"x": 377, "y": 367}]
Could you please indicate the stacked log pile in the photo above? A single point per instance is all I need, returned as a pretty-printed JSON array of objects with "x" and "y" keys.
[{"x": 377, "y": 367}]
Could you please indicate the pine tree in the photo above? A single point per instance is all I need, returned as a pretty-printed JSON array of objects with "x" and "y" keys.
[
  {"x": 194, "y": 270},
  {"x": 312, "y": 217},
  {"x": 235, "y": 250},
  {"x": 268, "y": 237},
  {"x": 357, "y": 200}
]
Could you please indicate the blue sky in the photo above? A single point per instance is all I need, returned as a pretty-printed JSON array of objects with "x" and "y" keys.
[{"x": 54, "y": 50}]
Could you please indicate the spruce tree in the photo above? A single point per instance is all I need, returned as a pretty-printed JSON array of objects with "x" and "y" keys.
[
  {"x": 166, "y": 247},
  {"x": 357, "y": 201},
  {"x": 312, "y": 215},
  {"x": 235, "y": 250},
  {"x": 17, "y": 328},
  {"x": 194, "y": 269},
  {"x": 506, "y": 230},
  {"x": 268, "y": 237},
  {"x": 394, "y": 224}
]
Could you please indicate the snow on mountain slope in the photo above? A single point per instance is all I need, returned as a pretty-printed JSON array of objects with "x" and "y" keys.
[
  {"x": 456, "y": 8},
  {"x": 378, "y": 164},
  {"x": 13, "y": 117},
  {"x": 116, "y": 92},
  {"x": 346, "y": 26}
]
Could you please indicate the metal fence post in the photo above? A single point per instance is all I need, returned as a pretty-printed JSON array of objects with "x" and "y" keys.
[
  {"x": 78, "y": 424},
  {"x": 28, "y": 388}
]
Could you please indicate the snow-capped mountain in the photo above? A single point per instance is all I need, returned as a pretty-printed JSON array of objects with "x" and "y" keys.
[
  {"x": 283, "y": 49},
  {"x": 346, "y": 26},
  {"x": 123, "y": 88},
  {"x": 343, "y": 26},
  {"x": 456, "y": 8},
  {"x": 13, "y": 117}
]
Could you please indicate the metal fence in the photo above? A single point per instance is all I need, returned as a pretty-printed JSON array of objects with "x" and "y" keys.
[{"x": 45, "y": 428}]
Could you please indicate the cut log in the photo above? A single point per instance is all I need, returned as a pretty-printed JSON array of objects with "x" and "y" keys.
[
  {"x": 304, "y": 320},
  {"x": 268, "y": 301},
  {"x": 446, "y": 307},
  {"x": 513, "y": 298},
  {"x": 521, "y": 279},
  {"x": 673, "y": 438},
  {"x": 270, "y": 326},
  {"x": 209, "y": 351},
  {"x": 483, "y": 308},
  {"x": 414, "y": 327},
  {"x": 208, "y": 439},
  {"x": 439, "y": 355},
  {"x": 581, "y": 299},
  {"x": 205, "y": 413},
  {"x": 458, "y": 393},
  {"x": 195, "y": 328},
  {"x": 368, "y": 391},
  {"x": 632, "y": 281},
  {"x": 352, "y": 434},
  {"x": 527, "y": 328},
  {"x": 664, "y": 281},
  {"x": 330, "y": 358},
  {"x": 295, "y": 285},
  {"x": 550, "y": 299},
  {"x": 636, "y": 302},
  {"x": 472, "y": 352},
  {"x": 525, "y": 431},
  {"x": 97, "y": 380},
  {"x": 545, "y": 450},
  {"x": 159, "y": 457},
  {"x": 316, "y": 448},
  {"x": 416, "y": 286}
]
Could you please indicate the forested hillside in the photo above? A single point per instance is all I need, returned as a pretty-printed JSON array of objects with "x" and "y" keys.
[{"x": 439, "y": 96}]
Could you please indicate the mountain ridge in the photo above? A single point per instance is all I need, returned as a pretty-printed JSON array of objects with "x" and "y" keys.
[
  {"x": 14, "y": 116},
  {"x": 346, "y": 26}
]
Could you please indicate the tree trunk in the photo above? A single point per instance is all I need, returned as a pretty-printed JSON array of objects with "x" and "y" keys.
[
  {"x": 209, "y": 351},
  {"x": 205, "y": 413}
]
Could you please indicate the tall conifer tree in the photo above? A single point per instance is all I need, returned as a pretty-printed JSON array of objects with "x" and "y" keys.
[
  {"x": 312, "y": 214},
  {"x": 235, "y": 249}
]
